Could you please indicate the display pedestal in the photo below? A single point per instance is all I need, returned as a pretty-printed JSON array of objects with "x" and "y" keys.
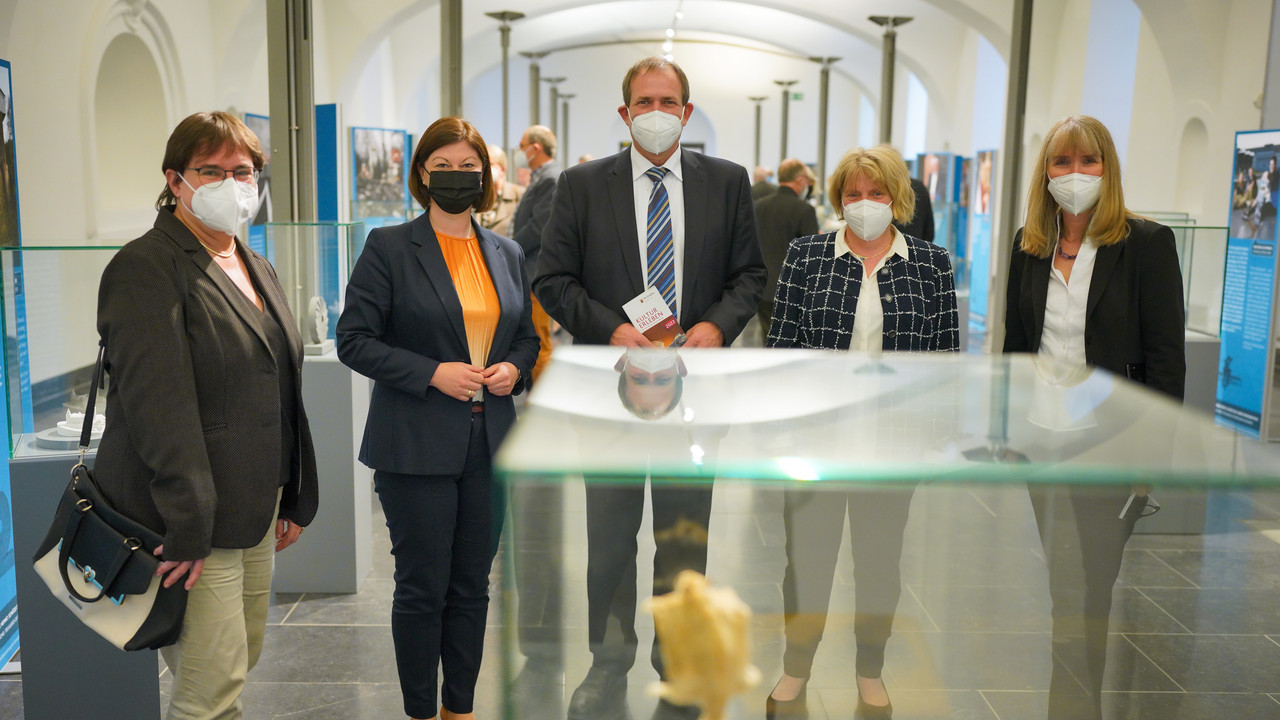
[
  {"x": 336, "y": 552},
  {"x": 67, "y": 670},
  {"x": 1182, "y": 512}
]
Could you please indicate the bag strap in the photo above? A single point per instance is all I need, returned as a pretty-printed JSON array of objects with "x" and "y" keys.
[{"x": 86, "y": 431}]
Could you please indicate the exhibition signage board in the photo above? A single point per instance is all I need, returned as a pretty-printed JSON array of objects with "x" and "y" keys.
[
  {"x": 10, "y": 223},
  {"x": 1246, "y": 360},
  {"x": 328, "y": 144},
  {"x": 963, "y": 192},
  {"x": 379, "y": 176},
  {"x": 261, "y": 126},
  {"x": 983, "y": 169},
  {"x": 937, "y": 172}
]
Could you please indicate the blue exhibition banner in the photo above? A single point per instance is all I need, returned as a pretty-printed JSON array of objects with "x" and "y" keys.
[
  {"x": 257, "y": 241},
  {"x": 980, "y": 206},
  {"x": 379, "y": 177},
  {"x": 1248, "y": 285},
  {"x": 10, "y": 226}
]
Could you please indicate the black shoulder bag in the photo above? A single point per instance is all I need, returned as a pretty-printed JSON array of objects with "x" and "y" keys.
[{"x": 101, "y": 564}]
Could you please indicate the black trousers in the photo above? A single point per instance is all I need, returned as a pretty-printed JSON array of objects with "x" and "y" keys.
[
  {"x": 444, "y": 534},
  {"x": 615, "y": 508},
  {"x": 1083, "y": 538},
  {"x": 814, "y": 522}
]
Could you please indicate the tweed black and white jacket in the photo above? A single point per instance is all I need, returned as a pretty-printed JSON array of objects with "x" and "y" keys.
[{"x": 818, "y": 290}]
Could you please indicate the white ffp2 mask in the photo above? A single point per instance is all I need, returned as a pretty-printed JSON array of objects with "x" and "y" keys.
[
  {"x": 224, "y": 206},
  {"x": 1076, "y": 193},
  {"x": 868, "y": 219},
  {"x": 656, "y": 131}
]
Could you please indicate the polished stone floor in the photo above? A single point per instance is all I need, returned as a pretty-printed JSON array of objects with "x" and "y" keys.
[{"x": 1195, "y": 629}]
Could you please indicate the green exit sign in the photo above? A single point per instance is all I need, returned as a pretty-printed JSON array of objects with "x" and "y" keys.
[{"x": 797, "y": 96}]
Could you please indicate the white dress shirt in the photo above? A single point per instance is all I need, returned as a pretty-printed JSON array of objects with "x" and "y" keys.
[
  {"x": 1062, "y": 339},
  {"x": 674, "y": 183},
  {"x": 868, "y": 319}
]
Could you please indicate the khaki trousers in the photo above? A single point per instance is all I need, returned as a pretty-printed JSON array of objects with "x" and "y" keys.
[{"x": 222, "y": 634}]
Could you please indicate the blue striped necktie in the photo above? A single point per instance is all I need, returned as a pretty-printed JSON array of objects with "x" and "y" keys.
[{"x": 660, "y": 242}]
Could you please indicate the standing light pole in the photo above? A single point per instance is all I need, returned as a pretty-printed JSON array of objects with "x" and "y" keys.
[
  {"x": 535, "y": 86},
  {"x": 451, "y": 57},
  {"x": 555, "y": 100},
  {"x": 563, "y": 137},
  {"x": 757, "y": 99},
  {"x": 786, "y": 106},
  {"x": 886, "y": 71},
  {"x": 824, "y": 87},
  {"x": 506, "y": 17}
]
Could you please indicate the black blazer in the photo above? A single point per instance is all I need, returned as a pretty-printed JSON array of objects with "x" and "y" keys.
[
  {"x": 402, "y": 319},
  {"x": 591, "y": 262},
  {"x": 781, "y": 217},
  {"x": 1134, "y": 315},
  {"x": 921, "y": 225},
  {"x": 192, "y": 447}
]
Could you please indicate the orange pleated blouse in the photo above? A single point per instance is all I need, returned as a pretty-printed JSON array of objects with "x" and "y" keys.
[{"x": 480, "y": 306}]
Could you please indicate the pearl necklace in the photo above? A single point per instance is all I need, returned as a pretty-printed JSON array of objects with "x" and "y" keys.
[{"x": 219, "y": 253}]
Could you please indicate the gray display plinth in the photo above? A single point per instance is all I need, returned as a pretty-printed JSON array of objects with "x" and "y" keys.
[
  {"x": 336, "y": 551},
  {"x": 67, "y": 670}
]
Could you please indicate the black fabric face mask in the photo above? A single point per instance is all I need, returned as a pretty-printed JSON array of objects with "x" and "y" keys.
[{"x": 455, "y": 191}]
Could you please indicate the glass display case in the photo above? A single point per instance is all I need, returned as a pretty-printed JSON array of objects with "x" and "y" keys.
[
  {"x": 314, "y": 260},
  {"x": 988, "y": 502},
  {"x": 1202, "y": 253},
  {"x": 50, "y": 342}
]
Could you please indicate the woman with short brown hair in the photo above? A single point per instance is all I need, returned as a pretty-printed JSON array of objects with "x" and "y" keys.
[{"x": 437, "y": 314}]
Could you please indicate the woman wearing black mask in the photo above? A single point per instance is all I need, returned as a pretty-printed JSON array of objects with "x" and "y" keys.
[{"x": 437, "y": 315}]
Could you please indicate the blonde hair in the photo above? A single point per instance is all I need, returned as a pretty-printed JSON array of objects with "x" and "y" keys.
[
  {"x": 881, "y": 165},
  {"x": 1108, "y": 225}
]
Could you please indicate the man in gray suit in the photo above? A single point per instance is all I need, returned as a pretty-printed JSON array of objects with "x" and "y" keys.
[
  {"x": 599, "y": 251},
  {"x": 782, "y": 217}
]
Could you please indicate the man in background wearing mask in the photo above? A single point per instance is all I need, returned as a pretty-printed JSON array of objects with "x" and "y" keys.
[
  {"x": 499, "y": 218},
  {"x": 783, "y": 216},
  {"x": 538, "y": 149},
  {"x": 599, "y": 251}
]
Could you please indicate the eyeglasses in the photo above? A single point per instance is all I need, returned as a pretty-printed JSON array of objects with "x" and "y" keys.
[{"x": 213, "y": 173}]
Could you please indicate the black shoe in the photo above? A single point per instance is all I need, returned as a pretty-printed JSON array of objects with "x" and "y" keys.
[
  {"x": 601, "y": 696},
  {"x": 795, "y": 709},
  {"x": 668, "y": 711},
  {"x": 866, "y": 711}
]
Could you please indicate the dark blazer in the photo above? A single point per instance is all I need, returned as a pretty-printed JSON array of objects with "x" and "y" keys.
[
  {"x": 817, "y": 298},
  {"x": 531, "y": 214},
  {"x": 192, "y": 447},
  {"x": 402, "y": 319},
  {"x": 1134, "y": 315},
  {"x": 781, "y": 217},
  {"x": 591, "y": 262},
  {"x": 921, "y": 225}
]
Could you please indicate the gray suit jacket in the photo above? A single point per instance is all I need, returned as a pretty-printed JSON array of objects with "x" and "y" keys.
[
  {"x": 192, "y": 447},
  {"x": 591, "y": 262}
]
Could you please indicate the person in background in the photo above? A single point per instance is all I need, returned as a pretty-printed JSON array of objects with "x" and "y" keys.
[
  {"x": 208, "y": 442},
  {"x": 538, "y": 144},
  {"x": 867, "y": 287},
  {"x": 781, "y": 217},
  {"x": 1090, "y": 284},
  {"x": 437, "y": 315},
  {"x": 498, "y": 218},
  {"x": 760, "y": 185}
]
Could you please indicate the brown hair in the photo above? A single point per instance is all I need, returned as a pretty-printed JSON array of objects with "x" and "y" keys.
[
  {"x": 203, "y": 134},
  {"x": 447, "y": 131},
  {"x": 650, "y": 64},
  {"x": 1108, "y": 224},
  {"x": 790, "y": 169},
  {"x": 881, "y": 165}
]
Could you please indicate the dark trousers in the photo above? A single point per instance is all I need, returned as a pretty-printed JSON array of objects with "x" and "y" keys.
[
  {"x": 681, "y": 514},
  {"x": 537, "y": 529},
  {"x": 1083, "y": 538},
  {"x": 444, "y": 533},
  {"x": 814, "y": 522}
]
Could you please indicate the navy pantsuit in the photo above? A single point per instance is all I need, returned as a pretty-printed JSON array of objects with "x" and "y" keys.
[{"x": 431, "y": 453}]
